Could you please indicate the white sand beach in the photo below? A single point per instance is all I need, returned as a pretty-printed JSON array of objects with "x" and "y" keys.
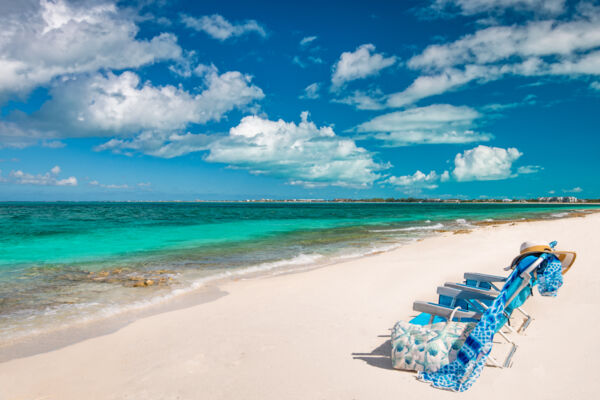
[{"x": 324, "y": 333}]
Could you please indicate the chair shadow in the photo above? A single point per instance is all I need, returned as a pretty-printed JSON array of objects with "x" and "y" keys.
[{"x": 379, "y": 357}]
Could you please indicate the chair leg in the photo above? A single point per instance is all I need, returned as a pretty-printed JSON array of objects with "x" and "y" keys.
[
  {"x": 525, "y": 324},
  {"x": 511, "y": 353},
  {"x": 508, "y": 361}
]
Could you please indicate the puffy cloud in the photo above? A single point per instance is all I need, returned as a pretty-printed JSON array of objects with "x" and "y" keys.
[
  {"x": 574, "y": 190},
  {"x": 307, "y": 40},
  {"x": 537, "y": 48},
  {"x": 47, "y": 179},
  {"x": 434, "y": 124},
  {"x": 535, "y": 39},
  {"x": 430, "y": 85},
  {"x": 107, "y": 105},
  {"x": 301, "y": 153},
  {"x": 360, "y": 63},
  {"x": 471, "y": 7},
  {"x": 311, "y": 91},
  {"x": 219, "y": 28},
  {"x": 57, "y": 38},
  {"x": 484, "y": 163},
  {"x": 418, "y": 180}
]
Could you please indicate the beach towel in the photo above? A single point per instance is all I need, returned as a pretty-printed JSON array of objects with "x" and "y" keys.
[{"x": 460, "y": 374}]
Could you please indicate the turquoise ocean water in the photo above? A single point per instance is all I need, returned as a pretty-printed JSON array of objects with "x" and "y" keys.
[{"x": 61, "y": 263}]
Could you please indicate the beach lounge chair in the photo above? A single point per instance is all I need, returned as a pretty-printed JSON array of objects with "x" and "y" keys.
[
  {"x": 460, "y": 374},
  {"x": 491, "y": 284},
  {"x": 473, "y": 303},
  {"x": 485, "y": 284},
  {"x": 472, "y": 306}
]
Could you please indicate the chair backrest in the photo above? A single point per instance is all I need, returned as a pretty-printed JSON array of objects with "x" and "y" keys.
[{"x": 454, "y": 297}]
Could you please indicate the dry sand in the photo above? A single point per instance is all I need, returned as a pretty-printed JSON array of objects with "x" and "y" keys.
[{"x": 324, "y": 333}]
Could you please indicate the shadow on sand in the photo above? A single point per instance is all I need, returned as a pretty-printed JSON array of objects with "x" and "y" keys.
[{"x": 380, "y": 356}]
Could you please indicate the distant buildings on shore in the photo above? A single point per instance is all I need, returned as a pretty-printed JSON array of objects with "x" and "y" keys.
[
  {"x": 557, "y": 199},
  {"x": 560, "y": 199}
]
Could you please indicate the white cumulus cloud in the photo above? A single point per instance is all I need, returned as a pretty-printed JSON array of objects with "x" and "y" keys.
[
  {"x": 57, "y": 38},
  {"x": 46, "y": 179},
  {"x": 565, "y": 47},
  {"x": 484, "y": 163},
  {"x": 418, "y": 180},
  {"x": 106, "y": 105},
  {"x": 221, "y": 29},
  {"x": 360, "y": 63},
  {"x": 301, "y": 153},
  {"x": 434, "y": 124}
]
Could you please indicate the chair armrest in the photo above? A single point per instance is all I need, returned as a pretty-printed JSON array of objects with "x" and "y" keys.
[
  {"x": 484, "y": 277},
  {"x": 442, "y": 311},
  {"x": 464, "y": 294},
  {"x": 488, "y": 292}
]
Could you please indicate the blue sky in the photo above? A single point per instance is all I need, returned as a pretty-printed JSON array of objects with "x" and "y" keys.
[{"x": 157, "y": 100}]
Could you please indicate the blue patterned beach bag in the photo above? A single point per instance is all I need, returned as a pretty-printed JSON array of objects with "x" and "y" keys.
[{"x": 426, "y": 348}]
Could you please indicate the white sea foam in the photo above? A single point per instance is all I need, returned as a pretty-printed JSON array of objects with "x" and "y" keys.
[
  {"x": 411, "y": 228},
  {"x": 560, "y": 215},
  {"x": 371, "y": 251},
  {"x": 81, "y": 313},
  {"x": 73, "y": 315}
]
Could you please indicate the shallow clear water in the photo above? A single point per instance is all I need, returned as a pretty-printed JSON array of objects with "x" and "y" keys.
[{"x": 61, "y": 262}]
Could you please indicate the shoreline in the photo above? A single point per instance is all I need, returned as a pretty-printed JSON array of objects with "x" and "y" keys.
[
  {"x": 321, "y": 333},
  {"x": 583, "y": 202},
  {"x": 59, "y": 337}
]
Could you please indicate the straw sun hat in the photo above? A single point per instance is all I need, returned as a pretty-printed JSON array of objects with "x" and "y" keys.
[{"x": 567, "y": 258}]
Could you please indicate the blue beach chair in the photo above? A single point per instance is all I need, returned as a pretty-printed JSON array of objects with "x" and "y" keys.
[
  {"x": 484, "y": 284},
  {"x": 490, "y": 284},
  {"x": 474, "y": 301}
]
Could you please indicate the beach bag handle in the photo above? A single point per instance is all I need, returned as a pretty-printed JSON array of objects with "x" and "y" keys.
[{"x": 450, "y": 318}]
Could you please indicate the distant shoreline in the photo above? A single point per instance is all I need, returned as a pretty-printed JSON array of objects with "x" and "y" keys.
[{"x": 308, "y": 201}]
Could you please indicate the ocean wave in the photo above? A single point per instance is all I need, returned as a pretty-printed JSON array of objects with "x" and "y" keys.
[
  {"x": 560, "y": 215},
  {"x": 411, "y": 228},
  {"x": 371, "y": 251}
]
